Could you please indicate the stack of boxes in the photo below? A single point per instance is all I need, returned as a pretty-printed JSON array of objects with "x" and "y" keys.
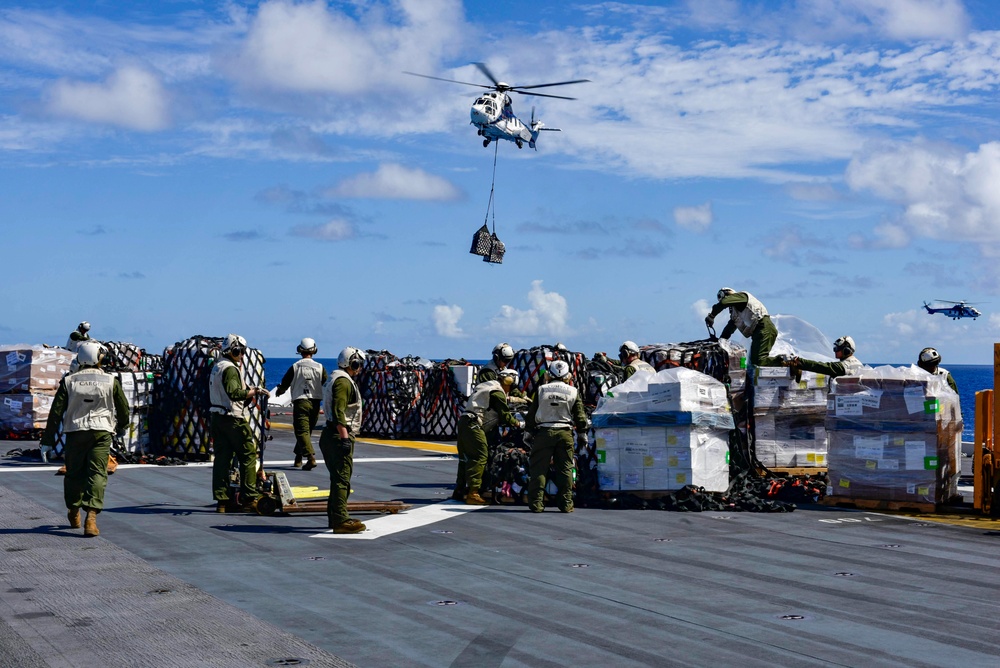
[
  {"x": 895, "y": 434},
  {"x": 662, "y": 432},
  {"x": 790, "y": 416},
  {"x": 29, "y": 378}
]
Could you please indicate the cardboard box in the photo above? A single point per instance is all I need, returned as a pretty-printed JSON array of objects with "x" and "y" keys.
[
  {"x": 32, "y": 369},
  {"x": 23, "y": 412}
]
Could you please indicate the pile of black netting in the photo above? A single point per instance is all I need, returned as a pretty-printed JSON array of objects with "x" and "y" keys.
[{"x": 179, "y": 423}]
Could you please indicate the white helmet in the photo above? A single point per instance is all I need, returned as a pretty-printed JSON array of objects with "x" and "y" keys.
[
  {"x": 930, "y": 357},
  {"x": 83, "y": 327},
  {"x": 508, "y": 376},
  {"x": 234, "y": 345},
  {"x": 503, "y": 352},
  {"x": 307, "y": 346},
  {"x": 350, "y": 358},
  {"x": 626, "y": 349},
  {"x": 723, "y": 292},
  {"x": 844, "y": 343},
  {"x": 89, "y": 354},
  {"x": 559, "y": 369}
]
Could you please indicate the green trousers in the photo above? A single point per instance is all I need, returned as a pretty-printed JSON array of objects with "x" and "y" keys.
[
  {"x": 761, "y": 342},
  {"x": 551, "y": 445},
  {"x": 340, "y": 464},
  {"x": 231, "y": 437},
  {"x": 86, "y": 456},
  {"x": 472, "y": 452},
  {"x": 305, "y": 412}
]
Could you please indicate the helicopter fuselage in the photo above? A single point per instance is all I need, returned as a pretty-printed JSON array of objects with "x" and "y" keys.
[{"x": 494, "y": 120}]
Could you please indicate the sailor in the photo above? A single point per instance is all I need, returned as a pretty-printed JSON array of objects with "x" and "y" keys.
[
  {"x": 503, "y": 355},
  {"x": 749, "y": 316},
  {"x": 628, "y": 353},
  {"x": 306, "y": 379},
  {"x": 91, "y": 406},
  {"x": 230, "y": 429},
  {"x": 847, "y": 364},
  {"x": 342, "y": 406},
  {"x": 555, "y": 410},
  {"x": 485, "y": 411},
  {"x": 930, "y": 361},
  {"x": 78, "y": 336}
]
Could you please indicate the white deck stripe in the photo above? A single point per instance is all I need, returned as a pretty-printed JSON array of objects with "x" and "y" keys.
[
  {"x": 387, "y": 525},
  {"x": 52, "y": 468}
]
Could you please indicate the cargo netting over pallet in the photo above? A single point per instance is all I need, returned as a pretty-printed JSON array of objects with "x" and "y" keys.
[
  {"x": 180, "y": 420},
  {"x": 138, "y": 389},
  {"x": 409, "y": 397}
]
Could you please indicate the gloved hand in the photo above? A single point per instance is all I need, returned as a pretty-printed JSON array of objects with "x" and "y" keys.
[
  {"x": 581, "y": 440},
  {"x": 785, "y": 360},
  {"x": 709, "y": 320},
  {"x": 345, "y": 445},
  {"x": 528, "y": 438},
  {"x": 520, "y": 423}
]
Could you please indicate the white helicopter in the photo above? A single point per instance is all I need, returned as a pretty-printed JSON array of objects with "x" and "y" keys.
[{"x": 492, "y": 113}]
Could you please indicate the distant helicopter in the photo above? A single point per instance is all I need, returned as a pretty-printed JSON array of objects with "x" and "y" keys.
[
  {"x": 959, "y": 309},
  {"x": 493, "y": 115}
]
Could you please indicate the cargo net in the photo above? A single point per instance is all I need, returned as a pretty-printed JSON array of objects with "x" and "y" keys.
[
  {"x": 532, "y": 366},
  {"x": 601, "y": 375},
  {"x": 180, "y": 421},
  {"x": 120, "y": 356},
  {"x": 408, "y": 397}
]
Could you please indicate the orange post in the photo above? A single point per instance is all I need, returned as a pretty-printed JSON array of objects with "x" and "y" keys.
[{"x": 982, "y": 454}]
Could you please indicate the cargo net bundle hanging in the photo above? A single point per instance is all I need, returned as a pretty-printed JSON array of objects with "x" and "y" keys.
[
  {"x": 484, "y": 242},
  {"x": 180, "y": 421}
]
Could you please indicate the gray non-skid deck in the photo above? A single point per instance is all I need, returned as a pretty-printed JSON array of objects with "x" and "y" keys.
[{"x": 500, "y": 586}]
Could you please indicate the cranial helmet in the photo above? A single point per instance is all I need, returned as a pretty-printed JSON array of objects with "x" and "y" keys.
[
  {"x": 89, "y": 354},
  {"x": 508, "y": 376},
  {"x": 930, "y": 357},
  {"x": 844, "y": 343},
  {"x": 307, "y": 346},
  {"x": 234, "y": 345},
  {"x": 723, "y": 292},
  {"x": 503, "y": 352},
  {"x": 559, "y": 369},
  {"x": 83, "y": 327},
  {"x": 561, "y": 348},
  {"x": 350, "y": 358},
  {"x": 626, "y": 349}
]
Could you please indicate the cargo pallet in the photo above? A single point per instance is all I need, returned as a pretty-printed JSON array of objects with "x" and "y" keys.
[
  {"x": 279, "y": 499},
  {"x": 878, "y": 504}
]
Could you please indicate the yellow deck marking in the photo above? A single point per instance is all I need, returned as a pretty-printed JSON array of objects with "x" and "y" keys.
[
  {"x": 411, "y": 445},
  {"x": 303, "y": 493},
  {"x": 970, "y": 521}
]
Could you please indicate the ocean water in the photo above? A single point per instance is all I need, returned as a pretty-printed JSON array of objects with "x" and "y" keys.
[{"x": 970, "y": 378}]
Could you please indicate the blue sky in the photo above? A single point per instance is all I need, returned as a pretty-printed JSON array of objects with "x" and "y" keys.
[{"x": 266, "y": 168}]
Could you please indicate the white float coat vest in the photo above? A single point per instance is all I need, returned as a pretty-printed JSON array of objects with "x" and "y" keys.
[
  {"x": 639, "y": 365},
  {"x": 90, "y": 404},
  {"x": 746, "y": 320},
  {"x": 352, "y": 413},
  {"x": 221, "y": 403},
  {"x": 555, "y": 405},
  {"x": 479, "y": 403},
  {"x": 307, "y": 379},
  {"x": 852, "y": 365}
]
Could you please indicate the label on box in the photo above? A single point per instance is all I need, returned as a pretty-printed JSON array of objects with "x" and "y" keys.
[
  {"x": 888, "y": 464},
  {"x": 12, "y": 359},
  {"x": 602, "y": 457},
  {"x": 911, "y": 489},
  {"x": 648, "y": 461},
  {"x": 773, "y": 372},
  {"x": 916, "y": 451},
  {"x": 867, "y": 447},
  {"x": 681, "y": 478},
  {"x": 14, "y": 405},
  {"x": 632, "y": 478},
  {"x": 914, "y": 398},
  {"x": 932, "y": 406},
  {"x": 607, "y": 438},
  {"x": 924, "y": 491},
  {"x": 849, "y": 405},
  {"x": 871, "y": 464},
  {"x": 930, "y": 463},
  {"x": 871, "y": 398},
  {"x": 844, "y": 483}
]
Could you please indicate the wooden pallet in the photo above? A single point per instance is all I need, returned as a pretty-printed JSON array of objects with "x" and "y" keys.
[
  {"x": 319, "y": 506},
  {"x": 796, "y": 470},
  {"x": 878, "y": 504}
]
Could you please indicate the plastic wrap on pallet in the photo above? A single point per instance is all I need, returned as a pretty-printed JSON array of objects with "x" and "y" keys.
[
  {"x": 662, "y": 432},
  {"x": 894, "y": 434},
  {"x": 180, "y": 420},
  {"x": 24, "y": 412},
  {"x": 32, "y": 369}
]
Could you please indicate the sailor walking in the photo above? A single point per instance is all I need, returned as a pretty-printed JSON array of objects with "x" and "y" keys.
[{"x": 306, "y": 379}]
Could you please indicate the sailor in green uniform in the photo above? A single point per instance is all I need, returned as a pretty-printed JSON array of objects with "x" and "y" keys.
[
  {"x": 930, "y": 360},
  {"x": 485, "y": 411},
  {"x": 230, "y": 429},
  {"x": 342, "y": 406},
  {"x": 749, "y": 316},
  {"x": 555, "y": 410},
  {"x": 846, "y": 364},
  {"x": 306, "y": 379},
  {"x": 628, "y": 353},
  {"x": 503, "y": 355},
  {"x": 91, "y": 406}
]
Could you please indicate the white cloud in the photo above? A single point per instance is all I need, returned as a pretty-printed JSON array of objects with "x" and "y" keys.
[
  {"x": 548, "y": 315},
  {"x": 694, "y": 218},
  {"x": 943, "y": 193},
  {"x": 995, "y": 322},
  {"x": 446, "y": 321},
  {"x": 335, "y": 230},
  {"x": 701, "y": 308},
  {"x": 131, "y": 97},
  {"x": 396, "y": 182},
  {"x": 895, "y": 19}
]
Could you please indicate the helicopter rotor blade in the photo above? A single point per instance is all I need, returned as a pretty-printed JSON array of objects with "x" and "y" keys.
[
  {"x": 465, "y": 83},
  {"x": 558, "y": 97},
  {"x": 558, "y": 83},
  {"x": 486, "y": 71}
]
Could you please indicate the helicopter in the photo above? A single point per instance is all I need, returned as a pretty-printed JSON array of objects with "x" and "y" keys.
[
  {"x": 959, "y": 309},
  {"x": 493, "y": 114}
]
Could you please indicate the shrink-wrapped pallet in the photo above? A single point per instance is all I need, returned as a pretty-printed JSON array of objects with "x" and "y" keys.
[
  {"x": 790, "y": 418},
  {"x": 663, "y": 432},
  {"x": 894, "y": 435},
  {"x": 32, "y": 369},
  {"x": 24, "y": 412}
]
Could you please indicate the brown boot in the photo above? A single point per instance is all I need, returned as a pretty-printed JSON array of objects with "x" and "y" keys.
[
  {"x": 349, "y": 526},
  {"x": 473, "y": 498},
  {"x": 298, "y": 461},
  {"x": 112, "y": 465},
  {"x": 310, "y": 464},
  {"x": 90, "y": 525},
  {"x": 74, "y": 518}
]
